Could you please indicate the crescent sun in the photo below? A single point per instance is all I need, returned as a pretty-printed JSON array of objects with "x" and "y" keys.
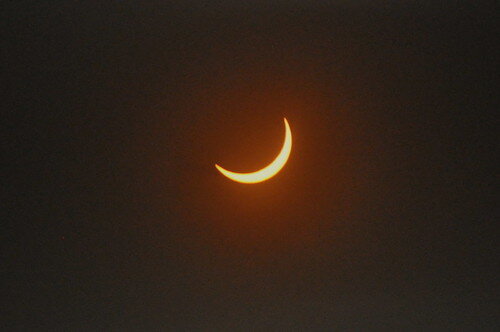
[{"x": 270, "y": 170}]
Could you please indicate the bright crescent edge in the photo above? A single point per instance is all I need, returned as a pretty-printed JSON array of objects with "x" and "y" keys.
[{"x": 270, "y": 170}]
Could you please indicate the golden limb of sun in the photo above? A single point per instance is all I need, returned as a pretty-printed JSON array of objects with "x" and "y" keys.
[{"x": 270, "y": 170}]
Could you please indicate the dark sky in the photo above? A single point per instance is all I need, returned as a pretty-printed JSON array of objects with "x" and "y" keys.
[{"x": 116, "y": 219}]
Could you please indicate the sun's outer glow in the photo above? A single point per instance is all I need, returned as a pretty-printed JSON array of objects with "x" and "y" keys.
[{"x": 270, "y": 170}]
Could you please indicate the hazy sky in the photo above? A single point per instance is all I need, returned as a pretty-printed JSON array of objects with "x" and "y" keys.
[{"x": 116, "y": 219}]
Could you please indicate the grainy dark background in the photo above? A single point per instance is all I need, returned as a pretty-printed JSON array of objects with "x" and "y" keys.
[{"x": 116, "y": 219}]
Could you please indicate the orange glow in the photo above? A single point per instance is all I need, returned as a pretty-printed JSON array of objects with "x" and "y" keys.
[{"x": 270, "y": 170}]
